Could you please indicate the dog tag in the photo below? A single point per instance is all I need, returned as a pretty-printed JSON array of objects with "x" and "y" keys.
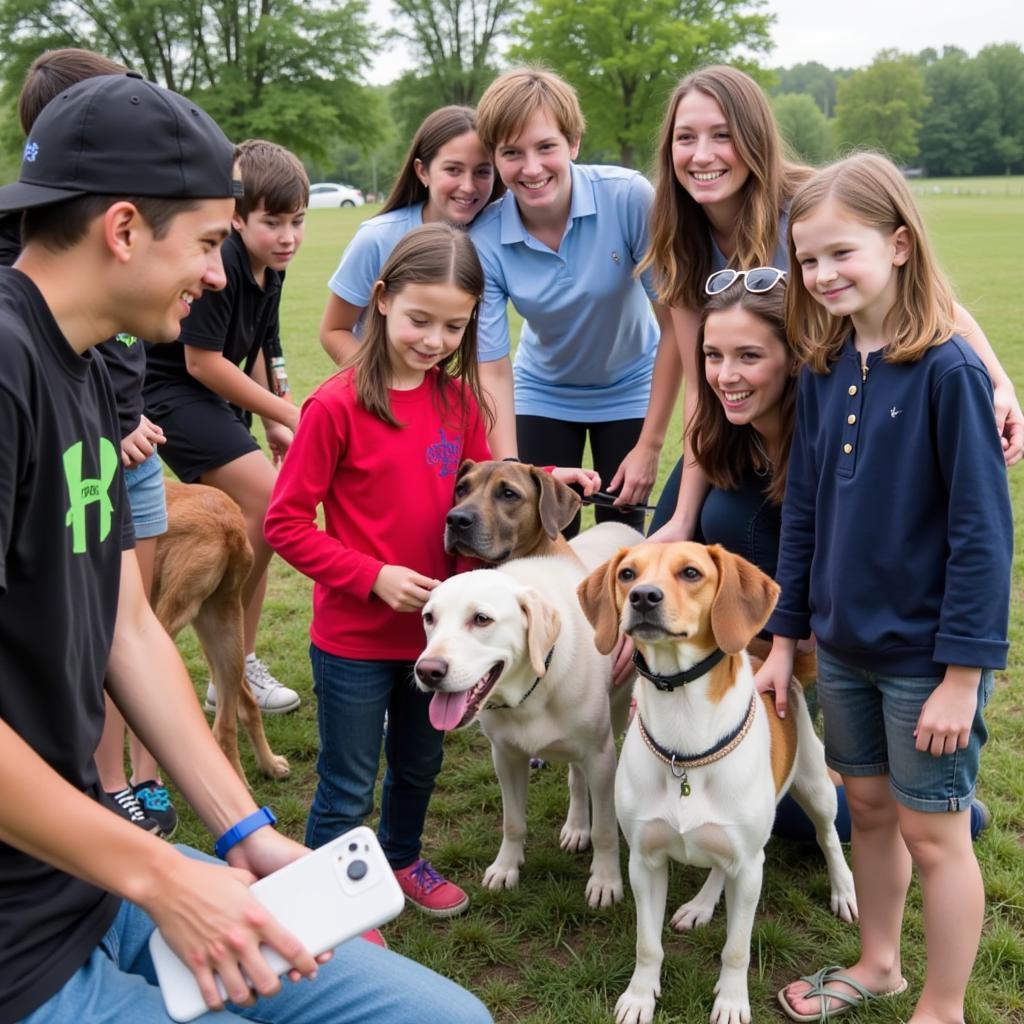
[{"x": 684, "y": 788}]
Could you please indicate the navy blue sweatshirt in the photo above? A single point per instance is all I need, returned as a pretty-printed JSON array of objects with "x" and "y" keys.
[{"x": 897, "y": 534}]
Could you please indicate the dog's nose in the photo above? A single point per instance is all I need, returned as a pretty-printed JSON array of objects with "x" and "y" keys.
[
  {"x": 431, "y": 671},
  {"x": 646, "y": 597},
  {"x": 459, "y": 519}
]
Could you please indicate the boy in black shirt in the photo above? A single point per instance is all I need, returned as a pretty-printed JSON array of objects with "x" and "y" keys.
[
  {"x": 71, "y": 613},
  {"x": 203, "y": 392}
]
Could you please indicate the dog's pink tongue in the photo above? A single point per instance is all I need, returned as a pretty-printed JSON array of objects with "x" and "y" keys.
[{"x": 447, "y": 709}]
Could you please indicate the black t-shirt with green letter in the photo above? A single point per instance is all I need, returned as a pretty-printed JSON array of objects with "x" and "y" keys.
[{"x": 63, "y": 523}]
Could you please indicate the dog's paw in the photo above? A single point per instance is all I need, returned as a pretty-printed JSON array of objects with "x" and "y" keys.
[
  {"x": 636, "y": 1005},
  {"x": 694, "y": 914},
  {"x": 278, "y": 767},
  {"x": 501, "y": 876},
  {"x": 732, "y": 1004},
  {"x": 844, "y": 900},
  {"x": 574, "y": 838},
  {"x": 603, "y": 890}
]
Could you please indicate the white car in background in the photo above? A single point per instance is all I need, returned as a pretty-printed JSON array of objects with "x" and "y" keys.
[{"x": 328, "y": 193}]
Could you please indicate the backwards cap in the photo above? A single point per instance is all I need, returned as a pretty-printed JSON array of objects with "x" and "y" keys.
[{"x": 121, "y": 135}]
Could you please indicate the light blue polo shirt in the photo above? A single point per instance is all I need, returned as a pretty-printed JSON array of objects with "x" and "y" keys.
[
  {"x": 586, "y": 352},
  {"x": 366, "y": 254}
]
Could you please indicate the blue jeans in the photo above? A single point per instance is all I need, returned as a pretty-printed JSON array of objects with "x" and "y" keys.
[
  {"x": 352, "y": 697},
  {"x": 870, "y": 719},
  {"x": 362, "y": 983}
]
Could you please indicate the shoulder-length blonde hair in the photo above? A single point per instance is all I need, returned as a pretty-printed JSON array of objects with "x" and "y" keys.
[
  {"x": 431, "y": 254},
  {"x": 873, "y": 191},
  {"x": 726, "y": 452},
  {"x": 680, "y": 250}
]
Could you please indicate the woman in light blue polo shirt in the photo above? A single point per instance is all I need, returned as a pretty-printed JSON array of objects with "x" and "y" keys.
[
  {"x": 563, "y": 245},
  {"x": 447, "y": 175}
]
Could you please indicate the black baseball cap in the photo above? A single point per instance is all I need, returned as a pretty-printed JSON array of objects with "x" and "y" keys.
[{"x": 123, "y": 136}]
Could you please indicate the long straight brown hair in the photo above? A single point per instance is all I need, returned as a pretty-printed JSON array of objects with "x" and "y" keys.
[
  {"x": 726, "y": 452},
  {"x": 680, "y": 250},
  {"x": 872, "y": 190},
  {"x": 437, "y": 130},
  {"x": 431, "y": 254}
]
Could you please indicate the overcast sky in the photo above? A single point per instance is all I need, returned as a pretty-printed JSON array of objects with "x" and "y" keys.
[{"x": 836, "y": 35}]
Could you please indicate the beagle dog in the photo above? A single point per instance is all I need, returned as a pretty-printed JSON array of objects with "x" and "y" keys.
[
  {"x": 511, "y": 648},
  {"x": 706, "y": 758}
]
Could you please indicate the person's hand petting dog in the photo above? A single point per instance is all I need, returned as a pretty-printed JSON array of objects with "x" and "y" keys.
[{"x": 587, "y": 480}]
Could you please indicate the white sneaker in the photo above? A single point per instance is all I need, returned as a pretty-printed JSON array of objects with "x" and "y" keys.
[{"x": 273, "y": 698}]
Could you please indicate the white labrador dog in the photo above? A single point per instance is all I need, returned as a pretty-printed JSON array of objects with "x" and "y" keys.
[{"x": 511, "y": 647}]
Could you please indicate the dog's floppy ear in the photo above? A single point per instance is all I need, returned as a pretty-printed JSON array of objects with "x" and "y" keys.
[
  {"x": 743, "y": 601},
  {"x": 543, "y": 624},
  {"x": 597, "y": 595},
  {"x": 558, "y": 502},
  {"x": 464, "y": 467}
]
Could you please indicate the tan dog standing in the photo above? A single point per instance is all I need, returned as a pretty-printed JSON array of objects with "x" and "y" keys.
[
  {"x": 706, "y": 759},
  {"x": 201, "y": 565}
]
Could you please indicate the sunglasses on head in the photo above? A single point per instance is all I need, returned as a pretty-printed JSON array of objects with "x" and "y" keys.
[{"x": 757, "y": 280}]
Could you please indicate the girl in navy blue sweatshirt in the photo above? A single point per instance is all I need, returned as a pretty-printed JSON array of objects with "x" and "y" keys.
[{"x": 896, "y": 546}]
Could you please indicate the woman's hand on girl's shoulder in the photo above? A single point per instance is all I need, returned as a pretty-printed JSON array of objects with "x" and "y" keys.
[{"x": 403, "y": 589}]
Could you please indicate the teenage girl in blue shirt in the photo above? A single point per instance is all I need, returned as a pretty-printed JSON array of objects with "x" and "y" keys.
[
  {"x": 896, "y": 546},
  {"x": 447, "y": 175}
]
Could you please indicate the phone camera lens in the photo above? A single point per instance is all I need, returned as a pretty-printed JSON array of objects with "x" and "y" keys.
[{"x": 356, "y": 870}]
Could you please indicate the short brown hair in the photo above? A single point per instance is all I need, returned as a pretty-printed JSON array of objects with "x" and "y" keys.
[
  {"x": 871, "y": 188},
  {"x": 59, "y": 226},
  {"x": 514, "y": 97},
  {"x": 271, "y": 175},
  {"x": 54, "y": 71}
]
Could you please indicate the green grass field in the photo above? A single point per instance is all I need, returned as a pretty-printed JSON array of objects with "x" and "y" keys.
[{"x": 539, "y": 954}]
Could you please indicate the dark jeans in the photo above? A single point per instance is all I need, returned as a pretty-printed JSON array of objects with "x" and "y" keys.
[
  {"x": 352, "y": 697},
  {"x": 667, "y": 500},
  {"x": 550, "y": 442}
]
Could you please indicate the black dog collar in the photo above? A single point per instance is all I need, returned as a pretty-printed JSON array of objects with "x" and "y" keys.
[
  {"x": 680, "y": 678},
  {"x": 522, "y": 700}
]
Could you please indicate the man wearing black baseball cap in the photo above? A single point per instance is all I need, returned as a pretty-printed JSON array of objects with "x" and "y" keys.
[{"x": 128, "y": 191}]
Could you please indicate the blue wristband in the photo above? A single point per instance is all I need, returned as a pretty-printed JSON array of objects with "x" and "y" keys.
[{"x": 246, "y": 827}]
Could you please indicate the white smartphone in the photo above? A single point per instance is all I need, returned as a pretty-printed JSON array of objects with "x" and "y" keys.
[{"x": 337, "y": 892}]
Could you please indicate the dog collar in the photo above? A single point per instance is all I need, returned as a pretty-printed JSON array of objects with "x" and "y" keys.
[
  {"x": 679, "y": 763},
  {"x": 680, "y": 678},
  {"x": 536, "y": 683}
]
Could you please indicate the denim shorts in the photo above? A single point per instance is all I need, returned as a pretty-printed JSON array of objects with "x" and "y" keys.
[
  {"x": 869, "y": 730},
  {"x": 145, "y": 484}
]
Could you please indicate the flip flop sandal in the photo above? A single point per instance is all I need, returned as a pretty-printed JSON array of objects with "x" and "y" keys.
[{"x": 819, "y": 989}]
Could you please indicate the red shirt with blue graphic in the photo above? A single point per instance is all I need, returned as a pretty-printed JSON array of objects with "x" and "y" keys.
[{"x": 385, "y": 492}]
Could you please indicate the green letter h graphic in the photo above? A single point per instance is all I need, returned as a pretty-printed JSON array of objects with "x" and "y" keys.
[{"x": 82, "y": 493}]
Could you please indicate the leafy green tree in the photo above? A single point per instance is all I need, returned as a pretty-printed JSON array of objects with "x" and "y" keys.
[
  {"x": 960, "y": 126},
  {"x": 814, "y": 79},
  {"x": 1003, "y": 66},
  {"x": 282, "y": 69},
  {"x": 881, "y": 107},
  {"x": 624, "y": 57},
  {"x": 804, "y": 127},
  {"x": 455, "y": 42}
]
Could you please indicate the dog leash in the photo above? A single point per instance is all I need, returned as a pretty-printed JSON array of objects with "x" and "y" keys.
[
  {"x": 667, "y": 683},
  {"x": 522, "y": 700},
  {"x": 679, "y": 763},
  {"x": 601, "y": 499}
]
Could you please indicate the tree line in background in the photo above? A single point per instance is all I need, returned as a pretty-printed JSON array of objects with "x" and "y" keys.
[{"x": 293, "y": 70}]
